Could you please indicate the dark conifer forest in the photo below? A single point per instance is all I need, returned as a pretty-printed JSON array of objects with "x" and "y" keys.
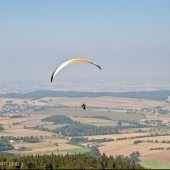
[{"x": 76, "y": 161}]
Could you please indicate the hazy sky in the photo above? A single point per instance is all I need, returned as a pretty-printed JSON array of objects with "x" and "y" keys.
[{"x": 127, "y": 38}]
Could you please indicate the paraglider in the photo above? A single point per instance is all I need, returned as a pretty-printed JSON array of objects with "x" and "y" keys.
[
  {"x": 71, "y": 62},
  {"x": 83, "y": 106}
]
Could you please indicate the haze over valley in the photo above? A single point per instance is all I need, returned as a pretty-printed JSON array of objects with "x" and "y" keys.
[{"x": 84, "y": 84}]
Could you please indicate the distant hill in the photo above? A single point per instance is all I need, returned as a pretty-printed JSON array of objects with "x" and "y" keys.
[{"x": 159, "y": 95}]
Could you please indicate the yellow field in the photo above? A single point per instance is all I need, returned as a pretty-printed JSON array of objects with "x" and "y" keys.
[
  {"x": 115, "y": 136},
  {"x": 126, "y": 147},
  {"x": 18, "y": 130},
  {"x": 158, "y": 156},
  {"x": 8, "y": 121},
  {"x": 109, "y": 102},
  {"x": 31, "y": 120},
  {"x": 11, "y": 129}
]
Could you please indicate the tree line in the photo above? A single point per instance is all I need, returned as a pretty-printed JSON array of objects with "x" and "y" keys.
[{"x": 76, "y": 161}]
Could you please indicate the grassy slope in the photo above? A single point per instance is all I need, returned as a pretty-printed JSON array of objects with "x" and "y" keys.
[
  {"x": 77, "y": 150},
  {"x": 155, "y": 164}
]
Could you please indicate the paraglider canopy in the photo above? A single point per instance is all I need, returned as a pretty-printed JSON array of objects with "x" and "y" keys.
[{"x": 71, "y": 62}]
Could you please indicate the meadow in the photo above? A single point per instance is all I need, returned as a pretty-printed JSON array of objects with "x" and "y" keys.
[{"x": 151, "y": 164}]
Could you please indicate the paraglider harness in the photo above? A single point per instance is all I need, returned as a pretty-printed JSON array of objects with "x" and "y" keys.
[{"x": 83, "y": 106}]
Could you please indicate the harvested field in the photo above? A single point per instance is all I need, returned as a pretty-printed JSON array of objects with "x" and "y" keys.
[
  {"x": 110, "y": 102},
  {"x": 126, "y": 147},
  {"x": 19, "y": 131},
  {"x": 6, "y": 121},
  {"x": 20, "y": 101},
  {"x": 158, "y": 155},
  {"x": 115, "y": 136},
  {"x": 30, "y": 121}
]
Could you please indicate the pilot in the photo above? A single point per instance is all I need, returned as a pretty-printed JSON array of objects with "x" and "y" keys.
[{"x": 84, "y": 106}]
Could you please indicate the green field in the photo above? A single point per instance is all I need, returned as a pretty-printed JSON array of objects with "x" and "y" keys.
[
  {"x": 155, "y": 164},
  {"x": 53, "y": 126},
  {"x": 104, "y": 124},
  {"x": 82, "y": 150},
  {"x": 77, "y": 150}
]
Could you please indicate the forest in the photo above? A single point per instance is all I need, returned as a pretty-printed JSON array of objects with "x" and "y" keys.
[
  {"x": 76, "y": 161},
  {"x": 80, "y": 129}
]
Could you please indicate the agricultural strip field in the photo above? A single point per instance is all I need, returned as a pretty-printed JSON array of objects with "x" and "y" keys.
[
  {"x": 116, "y": 136},
  {"x": 27, "y": 120},
  {"x": 108, "y": 102},
  {"x": 47, "y": 146},
  {"x": 126, "y": 147},
  {"x": 18, "y": 131},
  {"x": 20, "y": 101}
]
